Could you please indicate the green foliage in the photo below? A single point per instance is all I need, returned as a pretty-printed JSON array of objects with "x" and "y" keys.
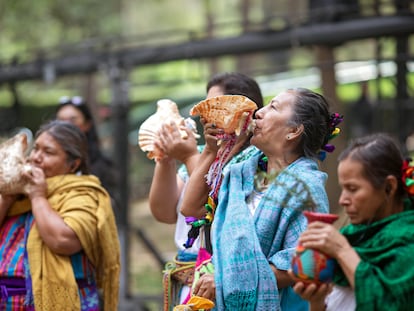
[{"x": 43, "y": 24}]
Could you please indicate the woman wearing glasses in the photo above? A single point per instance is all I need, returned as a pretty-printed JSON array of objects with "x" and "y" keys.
[{"x": 75, "y": 110}]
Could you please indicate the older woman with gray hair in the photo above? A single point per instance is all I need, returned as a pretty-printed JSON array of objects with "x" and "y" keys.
[{"x": 258, "y": 217}]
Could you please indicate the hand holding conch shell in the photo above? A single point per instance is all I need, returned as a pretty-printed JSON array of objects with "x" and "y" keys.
[
  {"x": 148, "y": 134},
  {"x": 36, "y": 185},
  {"x": 174, "y": 146}
]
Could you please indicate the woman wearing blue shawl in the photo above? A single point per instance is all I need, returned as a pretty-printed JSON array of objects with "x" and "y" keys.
[{"x": 258, "y": 218}]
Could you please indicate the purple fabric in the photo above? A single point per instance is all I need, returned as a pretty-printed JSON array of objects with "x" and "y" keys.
[
  {"x": 12, "y": 287},
  {"x": 17, "y": 286},
  {"x": 28, "y": 277}
]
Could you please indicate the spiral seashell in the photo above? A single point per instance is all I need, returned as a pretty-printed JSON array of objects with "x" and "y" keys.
[
  {"x": 13, "y": 164},
  {"x": 228, "y": 112},
  {"x": 167, "y": 112}
]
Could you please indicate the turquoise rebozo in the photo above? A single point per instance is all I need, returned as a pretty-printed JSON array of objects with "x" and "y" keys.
[{"x": 244, "y": 245}]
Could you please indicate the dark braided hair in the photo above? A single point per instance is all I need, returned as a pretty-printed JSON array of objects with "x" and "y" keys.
[{"x": 312, "y": 111}]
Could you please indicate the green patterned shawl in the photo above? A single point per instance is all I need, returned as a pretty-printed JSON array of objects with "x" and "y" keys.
[{"x": 384, "y": 279}]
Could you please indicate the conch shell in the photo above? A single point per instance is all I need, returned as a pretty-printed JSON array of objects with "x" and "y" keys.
[
  {"x": 13, "y": 164},
  {"x": 167, "y": 112},
  {"x": 228, "y": 112}
]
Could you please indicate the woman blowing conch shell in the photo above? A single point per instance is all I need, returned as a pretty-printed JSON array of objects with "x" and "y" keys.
[{"x": 59, "y": 246}]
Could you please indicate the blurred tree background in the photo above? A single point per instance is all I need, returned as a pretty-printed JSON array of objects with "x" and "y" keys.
[{"x": 122, "y": 56}]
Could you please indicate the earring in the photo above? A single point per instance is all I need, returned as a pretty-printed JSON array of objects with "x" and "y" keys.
[{"x": 288, "y": 137}]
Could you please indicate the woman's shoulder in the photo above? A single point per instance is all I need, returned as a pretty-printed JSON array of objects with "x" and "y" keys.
[
  {"x": 309, "y": 182},
  {"x": 307, "y": 170}
]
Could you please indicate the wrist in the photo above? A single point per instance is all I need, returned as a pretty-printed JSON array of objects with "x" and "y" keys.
[
  {"x": 36, "y": 199},
  {"x": 165, "y": 161},
  {"x": 318, "y": 306},
  {"x": 210, "y": 152},
  {"x": 190, "y": 158},
  {"x": 343, "y": 253}
]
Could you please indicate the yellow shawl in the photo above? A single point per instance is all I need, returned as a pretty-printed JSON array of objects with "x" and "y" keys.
[{"x": 85, "y": 207}]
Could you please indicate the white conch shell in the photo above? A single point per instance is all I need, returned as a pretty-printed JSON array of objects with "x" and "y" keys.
[
  {"x": 13, "y": 164},
  {"x": 167, "y": 112},
  {"x": 228, "y": 112}
]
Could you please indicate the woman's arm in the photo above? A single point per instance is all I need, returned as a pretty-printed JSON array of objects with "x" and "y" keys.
[
  {"x": 165, "y": 191},
  {"x": 197, "y": 190},
  {"x": 166, "y": 185},
  {"x": 55, "y": 233}
]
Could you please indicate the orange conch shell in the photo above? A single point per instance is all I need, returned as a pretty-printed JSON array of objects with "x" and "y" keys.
[
  {"x": 167, "y": 112},
  {"x": 13, "y": 164},
  {"x": 227, "y": 112}
]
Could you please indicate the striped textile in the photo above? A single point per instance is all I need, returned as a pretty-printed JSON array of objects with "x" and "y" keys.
[
  {"x": 12, "y": 246},
  {"x": 13, "y": 262}
]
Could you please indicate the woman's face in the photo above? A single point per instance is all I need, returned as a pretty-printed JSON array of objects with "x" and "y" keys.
[
  {"x": 271, "y": 122},
  {"x": 362, "y": 202},
  {"x": 48, "y": 155},
  {"x": 73, "y": 115}
]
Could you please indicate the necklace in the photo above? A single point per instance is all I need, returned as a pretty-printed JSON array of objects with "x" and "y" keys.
[
  {"x": 261, "y": 176},
  {"x": 262, "y": 165}
]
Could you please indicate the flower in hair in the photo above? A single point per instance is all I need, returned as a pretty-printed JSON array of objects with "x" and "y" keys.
[
  {"x": 333, "y": 131},
  {"x": 335, "y": 119},
  {"x": 408, "y": 177}
]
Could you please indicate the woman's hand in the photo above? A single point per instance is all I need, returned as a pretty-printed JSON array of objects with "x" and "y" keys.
[
  {"x": 206, "y": 287},
  {"x": 173, "y": 145},
  {"x": 36, "y": 183},
  {"x": 324, "y": 238},
  {"x": 313, "y": 293},
  {"x": 210, "y": 136}
]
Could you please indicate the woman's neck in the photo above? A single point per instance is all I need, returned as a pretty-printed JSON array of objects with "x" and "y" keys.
[
  {"x": 268, "y": 168},
  {"x": 279, "y": 163}
]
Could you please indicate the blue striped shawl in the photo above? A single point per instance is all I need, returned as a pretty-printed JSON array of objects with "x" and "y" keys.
[{"x": 243, "y": 245}]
